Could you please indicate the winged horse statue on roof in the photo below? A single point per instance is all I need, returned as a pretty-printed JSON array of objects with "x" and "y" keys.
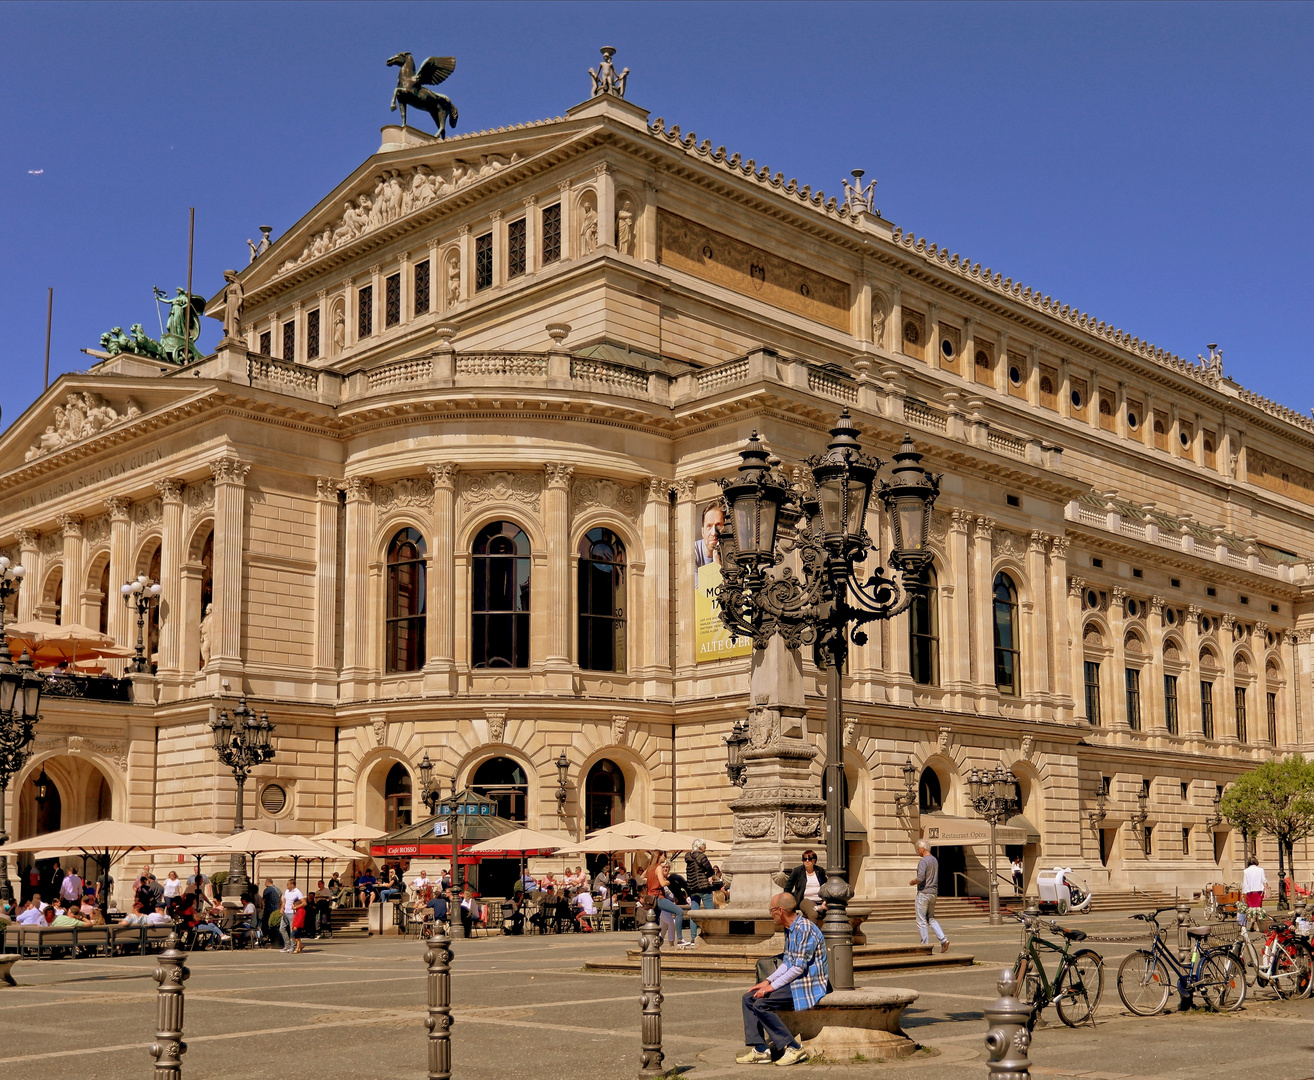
[{"x": 413, "y": 89}]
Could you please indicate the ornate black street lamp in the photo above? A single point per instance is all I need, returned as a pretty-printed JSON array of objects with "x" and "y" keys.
[
  {"x": 563, "y": 782},
  {"x": 735, "y": 768},
  {"x": 993, "y": 795},
  {"x": 430, "y": 792},
  {"x": 1100, "y": 812},
  {"x": 141, "y": 593},
  {"x": 1215, "y": 819},
  {"x": 242, "y": 742},
  {"x": 20, "y": 704},
  {"x": 824, "y": 520},
  {"x": 907, "y": 798}
]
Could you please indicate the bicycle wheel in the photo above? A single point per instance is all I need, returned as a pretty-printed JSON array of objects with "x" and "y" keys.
[
  {"x": 1142, "y": 983},
  {"x": 1028, "y": 989},
  {"x": 1222, "y": 982},
  {"x": 1080, "y": 987},
  {"x": 1291, "y": 971}
]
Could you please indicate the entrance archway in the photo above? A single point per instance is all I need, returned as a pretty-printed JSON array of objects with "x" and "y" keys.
[
  {"x": 77, "y": 791},
  {"x": 604, "y": 796},
  {"x": 503, "y": 779}
]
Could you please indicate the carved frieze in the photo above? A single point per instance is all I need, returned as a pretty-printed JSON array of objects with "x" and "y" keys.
[
  {"x": 620, "y": 723},
  {"x": 51, "y": 543},
  {"x": 523, "y": 488},
  {"x": 1008, "y": 543},
  {"x": 802, "y": 826},
  {"x": 147, "y": 513},
  {"x": 939, "y": 526},
  {"x": 96, "y": 530},
  {"x": 80, "y": 417},
  {"x": 404, "y": 492},
  {"x": 199, "y": 498},
  {"x": 758, "y": 827},
  {"x": 607, "y": 494}
]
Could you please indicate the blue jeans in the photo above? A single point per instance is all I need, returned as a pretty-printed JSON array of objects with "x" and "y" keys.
[
  {"x": 926, "y": 914},
  {"x": 285, "y": 929},
  {"x": 698, "y": 900},
  {"x": 676, "y": 912},
  {"x": 762, "y": 1025}
]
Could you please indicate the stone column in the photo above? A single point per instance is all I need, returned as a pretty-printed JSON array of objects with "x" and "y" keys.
[
  {"x": 533, "y": 235},
  {"x": 894, "y": 325},
  {"x": 556, "y": 518},
  {"x": 1289, "y": 726},
  {"x": 71, "y": 585},
  {"x": 466, "y": 246},
  {"x": 687, "y": 526},
  {"x": 326, "y": 587},
  {"x": 355, "y": 615},
  {"x": 956, "y": 634},
  {"x": 1117, "y": 620},
  {"x": 1225, "y": 711},
  {"x": 171, "y": 612},
  {"x": 605, "y": 183},
  {"x": 647, "y": 246},
  {"x": 1077, "y": 650},
  {"x": 1259, "y": 706},
  {"x": 29, "y": 556},
  {"x": 440, "y": 674},
  {"x": 229, "y": 542},
  {"x": 1153, "y": 698},
  {"x": 120, "y": 623},
  {"x": 1192, "y": 722},
  {"x": 567, "y": 221},
  {"x": 933, "y": 337},
  {"x": 1035, "y": 665},
  {"x": 1062, "y": 631},
  {"x": 498, "y": 233},
  {"x": 984, "y": 614},
  {"x": 656, "y": 524},
  {"x": 1001, "y": 364}
]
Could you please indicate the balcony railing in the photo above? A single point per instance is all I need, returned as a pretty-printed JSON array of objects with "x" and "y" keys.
[{"x": 87, "y": 687}]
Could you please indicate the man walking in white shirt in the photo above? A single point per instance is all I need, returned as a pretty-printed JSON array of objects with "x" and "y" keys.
[{"x": 290, "y": 897}]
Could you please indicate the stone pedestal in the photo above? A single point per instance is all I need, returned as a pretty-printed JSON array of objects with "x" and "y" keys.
[{"x": 849, "y": 1022}]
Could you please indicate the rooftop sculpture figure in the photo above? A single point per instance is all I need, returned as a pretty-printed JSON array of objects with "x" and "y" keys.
[
  {"x": 412, "y": 89},
  {"x": 259, "y": 249},
  {"x": 605, "y": 79}
]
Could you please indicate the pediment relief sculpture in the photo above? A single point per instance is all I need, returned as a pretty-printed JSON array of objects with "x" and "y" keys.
[
  {"x": 80, "y": 417},
  {"x": 607, "y": 494},
  {"x": 408, "y": 491},
  {"x": 396, "y": 193},
  {"x": 523, "y": 488}
]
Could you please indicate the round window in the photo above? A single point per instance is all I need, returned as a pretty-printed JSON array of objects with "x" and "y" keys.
[
  {"x": 1132, "y": 421},
  {"x": 1271, "y": 638},
  {"x": 1170, "y": 614},
  {"x": 1133, "y": 606},
  {"x": 947, "y": 347},
  {"x": 1077, "y": 400},
  {"x": 982, "y": 359},
  {"x": 1092, "y": 599},
  {"x": 1015, "y": 376},
  {"x": 910, "y": 333},
  {"x": 273, "y": 799},
  {"x": 1206, "y": 623},
  {"x": 1183, "y": 438}
]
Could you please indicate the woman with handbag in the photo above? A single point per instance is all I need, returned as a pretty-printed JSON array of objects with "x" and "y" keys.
[{"x": 656, "y": 881}]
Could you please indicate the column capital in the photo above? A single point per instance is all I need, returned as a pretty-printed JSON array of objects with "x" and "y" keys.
[
  {"x": 1228, "y": 623},
  {"x": 959, "y": 520},
  {"x": 602, "y": 168},
  {"x": 70, "y": 524},
  {"x": 564, "y": 186},
  {"x": 1118, "y": 594},
  {"x": 496, "y": 215},
  {"x": 374, "y": 270},
  {"x": 229, "y": 470},
  {"x": 27, "y": 538},
  {"x": 1058, "y": 547},
  {"x": 326, "y": 488},
  {"x": 464, "y": 230},
  {"x": 1156, "y": 605},
  {"x": 1193, "y": 614},
  {"x": 659, "y": 487},
  {"x": 358, "y": 488},
  {"x": 558, "y": 474},
  {"x": 1076, "y": 586},
  {"x": 444, "y": 474},
  {"x": 1261, "y": 628},
  {"x": 529, "y": 201},
  {"x": 170, "y": 490},
  {"x": 1039, "y": 542},
  {"x": 686, "y": 488},
  {"x": 984, "y": 528}
]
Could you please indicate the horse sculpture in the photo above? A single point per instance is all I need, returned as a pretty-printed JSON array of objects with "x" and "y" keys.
[{"x": 412, "y": 89}]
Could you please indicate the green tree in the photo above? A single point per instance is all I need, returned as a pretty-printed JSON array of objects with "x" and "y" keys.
[{"x": 1277, "y": 798}]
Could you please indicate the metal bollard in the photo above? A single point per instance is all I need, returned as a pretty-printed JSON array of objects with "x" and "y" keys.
[
  {"x": 1184, "y": 948},
  {"x": 171, "y": 972},
  {"x": 438, "y": 955},
  {"x": 650, "y": 996},
  {"x": 1008, "y": 1038}
]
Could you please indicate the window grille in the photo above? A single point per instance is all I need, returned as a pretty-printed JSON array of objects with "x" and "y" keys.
[
  {"x": 365, "y": 311},
  {"x": 1272, "y": 719},
  {"x": 1207, "y": 709},
  {"x": 422, "y": 271},
  {"x": 1134, "y": 699},
  {"x": 551, "y": 233},
  {"x": 601, "y": 597},
  {"x": 515, "y": 248},
  {"x": 1241, "y": 733},
  {"x": 483, "y": 261},
  {"x": 1170, "y": 703},
  {"x": 1093, "y": 693},
  {"x": 266, "y": 343},
  {"x": 312, "y": 334},
  {"x": 392, "y": 300},
  {"x": 924, "y": 630}
]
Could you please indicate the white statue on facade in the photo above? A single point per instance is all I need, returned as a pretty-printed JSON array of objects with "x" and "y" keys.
[
  {"x": 233, "y": 298},
  {"x": 605, "y": 79},
  {"x": 625, "y": 228},
  {"x": 207, "y": 623},
  {"x": 588, "y": 230}
]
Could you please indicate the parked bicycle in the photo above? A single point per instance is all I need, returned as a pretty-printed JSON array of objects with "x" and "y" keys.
[
  {"x": 1221, "y": 900},
  {"x": 1279, "y": 957},
  {"x": 1146, "y": 976},
  {"x": 1077, "y": 985}
]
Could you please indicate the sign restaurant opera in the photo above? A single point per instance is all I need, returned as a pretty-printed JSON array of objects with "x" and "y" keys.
[{"x": 448, "y": 485}]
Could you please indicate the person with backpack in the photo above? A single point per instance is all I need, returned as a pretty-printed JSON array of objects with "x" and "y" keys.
[{"x": 698, "y": 873}]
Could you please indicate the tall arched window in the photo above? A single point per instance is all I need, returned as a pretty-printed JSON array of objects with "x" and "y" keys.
[
  {"x": 604, "y": 796},
  {"x": 924, "y": 630},
  {"x": 502, "y": 779},
  {"x": 102, "y": 622},
  {"x": 1006, "y": 647},
  {"x": 930, "y": 800},
  {"x": 406, "y": 597},
  {"x": 602, "y": 601},
  {"x": 499, "y": 608},
  {"x": 397, "y": 798}
]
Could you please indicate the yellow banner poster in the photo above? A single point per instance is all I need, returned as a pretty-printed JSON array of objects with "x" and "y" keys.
[{"x": 713, "y": 639}]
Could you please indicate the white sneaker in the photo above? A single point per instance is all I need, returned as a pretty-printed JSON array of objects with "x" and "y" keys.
[{"x": 792, "y": 1056}]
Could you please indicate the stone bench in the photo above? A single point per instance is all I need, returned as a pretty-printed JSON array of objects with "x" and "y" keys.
[
  {"x": 849, "y": 1022},
  {"x": 6, "y": 967}
]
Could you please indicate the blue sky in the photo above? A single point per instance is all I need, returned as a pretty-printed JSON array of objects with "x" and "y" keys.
[{"x": 1147, "y": 163}]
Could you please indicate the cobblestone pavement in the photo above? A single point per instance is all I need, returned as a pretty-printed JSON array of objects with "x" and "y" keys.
[{"x": 525, "y": 1007}]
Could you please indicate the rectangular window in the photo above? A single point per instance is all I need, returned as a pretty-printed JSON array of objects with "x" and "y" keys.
[
  {"x": 312, "y": 334},
  {"x": 290, "y": 340},
  {"x": 1241, "y": 733},
  {"x": 551, "y": 233},
  {"x": 1093, "y": 693},
  {"x": 1207, "y": 709},
  {"x": 1186, "y": 791},
  {"x": 1186, "y": 840},
  {"x": 1134, "y": 699},
  {"x": 1149, "y": 840},
  {"x": 515, "y": 248},
  {"x": 365, "y": 312},
  {"x": 1170, "y": 703},
  {"x": 422, "y": 288},
  {"x": 392, "y": 300},
  {"x": 1272, "y": 719},
  {"x": 483, "y": 261},
  {"x": 924, "y": 633},
  {"x": 265, "y": 343}
]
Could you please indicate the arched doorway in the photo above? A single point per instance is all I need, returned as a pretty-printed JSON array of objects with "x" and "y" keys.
[
  {"x": 952, "y": 858},
  {"x": 397, "y": 798},
  {"x": 504, "y": 780},
  {"x": 604, "y": 796}
]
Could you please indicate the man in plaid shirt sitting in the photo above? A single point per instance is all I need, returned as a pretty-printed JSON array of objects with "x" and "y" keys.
[{"x": 801, "y": 980}]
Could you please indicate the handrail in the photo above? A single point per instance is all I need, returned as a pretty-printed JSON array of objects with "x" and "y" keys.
[{"x": 985, "y": 884}]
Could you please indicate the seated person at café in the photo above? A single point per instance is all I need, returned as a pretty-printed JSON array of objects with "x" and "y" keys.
[
  {"x": 584, "y": 902},
  {"x": 158, "y": 917},
  {"x": 438, "y": 908},
  {"x": 323, "y": 899},
  {"x": 135, "y": 917},
  {"x": 32, "y": 914},
  {"x": 365, "y": 887}
]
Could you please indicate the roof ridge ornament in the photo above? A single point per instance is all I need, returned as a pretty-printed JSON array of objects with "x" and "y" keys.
[
  {"x": 605, "y": 79},
  {"x": 413, "y": 89},
  {"x": 858, "y": 198}
]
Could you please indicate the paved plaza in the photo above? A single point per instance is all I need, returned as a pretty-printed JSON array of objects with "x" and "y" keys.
[{"x": 525, "y": 1007}]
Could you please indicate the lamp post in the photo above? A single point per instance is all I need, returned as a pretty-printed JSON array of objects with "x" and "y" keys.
[
  {"x": 824, "y": 520},
  {"x": 140, "y": 593},
  {"x": 1215, "y": 819},
  {"x": 992, "y": 795},
  {"x": 1098, "y": 814},
  {"x": 906, "y": 798},
  {"x": 1139, "y": 818},
  {"x": 563, "y": 782},
  {"x": 242, "y": 742},
  {"x": 20, "y": 703},
  {"x": 735, "y": 768}
]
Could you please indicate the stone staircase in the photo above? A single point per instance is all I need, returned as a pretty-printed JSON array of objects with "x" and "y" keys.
[
  {"x": 349, "y": 922},
  {"x": 966, "y": 907}
]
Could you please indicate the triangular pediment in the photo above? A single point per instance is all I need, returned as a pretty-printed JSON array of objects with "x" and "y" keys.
[{"x": 395, "y": 191}]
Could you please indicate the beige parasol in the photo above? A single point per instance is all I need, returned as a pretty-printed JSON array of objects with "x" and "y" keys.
[{"x": 52, "y": 643}]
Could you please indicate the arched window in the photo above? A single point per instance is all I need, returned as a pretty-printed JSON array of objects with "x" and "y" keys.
[
  {"x": 1006, "y": 650},
  {"x": 502, "y": 779},
  {"x": 604, "y": 796},
  {"x": 929, "y": 797},
  {"x": 102, "y": 623},
  {"x": 406, "y": 596},
  {"x": 602, "y": 601},
  {"x": 924, "y": 630},
  {"x": 397, "y": 798},
  {"x": 499, "y": 609}
]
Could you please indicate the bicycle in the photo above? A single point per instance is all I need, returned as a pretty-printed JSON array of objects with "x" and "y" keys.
[
  {"x": 1078, "y": 983},
  {"x": 1145, "y": 976},
  {"x": 1284, "y": 963}
]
